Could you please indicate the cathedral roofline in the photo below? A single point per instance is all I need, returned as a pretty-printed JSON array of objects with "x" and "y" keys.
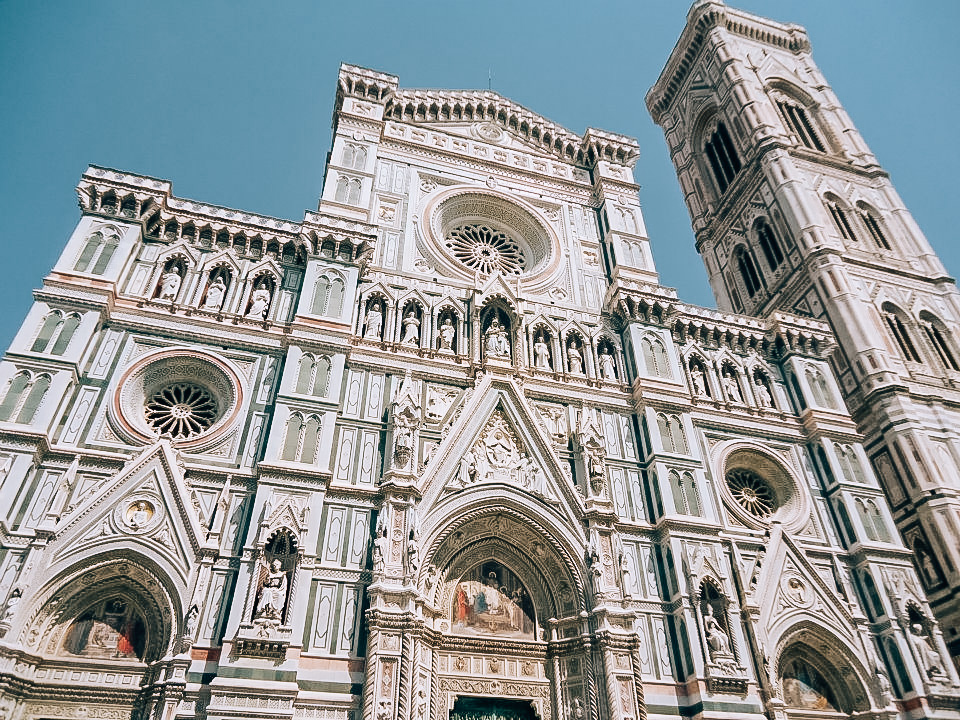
[
  {"x": 425, "y": 106},
  {"x": 703, "y": 17}
]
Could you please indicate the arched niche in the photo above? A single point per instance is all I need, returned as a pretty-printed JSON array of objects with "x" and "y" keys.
[
  {"x": 529, "y": 555},
  {"x": 115, "y": 610},
  {"x": 818, "y": 674}
]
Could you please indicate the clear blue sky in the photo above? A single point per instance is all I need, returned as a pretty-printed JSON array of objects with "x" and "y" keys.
[{"x": 232, "y": 101}]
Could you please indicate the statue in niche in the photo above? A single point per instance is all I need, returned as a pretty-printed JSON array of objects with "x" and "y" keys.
[
  {"x": 930, "y": 575},
  {"x": 215, "y": 293},
  {"x": 731, "y": 387},
  {"x": 259, "y": 302},
  {"x": 468, "y": 468},
  {"x": 11, "y": 609},
  {"x": 763, "y": 394},
  {"x": 576, "y": 710},
  {"x": 496, "y": 342},
  {"x": 699, "y": 381},
  {"x": 927, "y": 653},
  {"x": 373, "y": 323},
  {"x": 447, "y": 333},
  {"x": 380, "y": 544},
  {"x": 574, "y": 359},
  {"x": 411, "y": 329},
  {"x": 273, "y": 594},
  {"x": 625, "y": 582},
  {"x": 170, "y": 285},
  {"x": 413, "y": 555},
  {"x": 596, "y": 468},
  {"x": 608, "y": 368},
  {"x": 716, "y": 636},
  {"x": 190, "y": 621},
  {"x": 403, "y": 440},
  {"x": 431, "y": 581},
  {"x": 541, "y": 354}
]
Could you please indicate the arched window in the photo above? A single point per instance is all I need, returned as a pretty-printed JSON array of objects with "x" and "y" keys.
[
  {"x": 866, "y": 519},
  {"x": 876, "y": 518},
  {"x": 16, "y": 391},
  {"x": 748, "y": 271},
  {"x": 797, "y": 121},
  {"x": 900, "y": 334},
  {"x": 671, "y": 433},
  {"x": 64, "y": 334},
  {"x": 51, "y": 325},
  {"x": 685, "y": 495},
  {"x": 321, "y": 296},
  {"x": 313, "y": 377},
  {"x": 97, "y": 253},
  {"x": 666, "y": 434},
  {"x": 311, "y": 439},
  {"x": 722, "y": 156},
  {"x": 937, "y": 334},
  {"x": 850, "y": 464},
  {"x": 655, "y": 356},
  {"x": 818, "y": 387},
  {"x": 348, "y": 190},
  {"x": 769, "y": 245},
  {"x": 840, "y": 219},
  {"x": 34, "y": 396},
  {"x": 291, "y": 441},
  {"x": 354, "y": 156},
  {"x": 873, "y": 226}
]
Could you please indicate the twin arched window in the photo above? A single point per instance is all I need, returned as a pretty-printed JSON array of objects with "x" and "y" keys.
[
  {"x": 868, "y": 216},
  {"x": 818, "y": 386},
  {"x": 684, "y": 490},
  {"x": 328, "y": 296},
  {"x": 302, "y": 439},
  {"x": 899, "y": 331},
  {"x": 354, "y": 156},
  {"x": 671, "y": 434},
  {"x": 55, "y": 333},
  {"x": 97, "y": 253},
  {"x": 23, "y": 397},
  {"x": 872, "y": 519},
  {"x": 348, "y": 190},
  {"x": 314, "y": 376},
  {"x": 937, "y": 335},
  {"x": 655, "y": 356},
  {"x": 722, "y": 156}
]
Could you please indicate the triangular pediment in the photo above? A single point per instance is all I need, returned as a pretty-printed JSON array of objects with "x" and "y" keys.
[
  {"x": 499, "y": 440},
  {"x": 790, "y": 590},
  {"x": 146, "y": 506}
]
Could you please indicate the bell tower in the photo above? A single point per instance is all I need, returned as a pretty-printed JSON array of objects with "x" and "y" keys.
[{"x": 792, "y": 212}]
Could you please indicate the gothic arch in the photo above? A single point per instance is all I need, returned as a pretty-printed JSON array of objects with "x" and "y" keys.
[
  {"x": 809, "y": 644},
  {"x": 76, "y": 590},
  {"x": 538, "y": 544}
]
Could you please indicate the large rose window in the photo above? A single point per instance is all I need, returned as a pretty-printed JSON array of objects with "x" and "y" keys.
[{"x": 486, "y": 249}]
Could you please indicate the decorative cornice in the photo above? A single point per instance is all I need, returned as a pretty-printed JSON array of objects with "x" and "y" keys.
[{"x": 705, "y": 16}]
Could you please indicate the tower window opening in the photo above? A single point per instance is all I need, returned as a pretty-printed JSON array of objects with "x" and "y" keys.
[
  {"x": 723, "y": 158},
  {"x": 940, "y": 344},
  {"x": 902, "y": 337},
  {"x": 769, "y": 245},
  {"x": 797, "y": 120},
  {"x": 748, "y": 272},
  {"x": 876, "y": 232},
  {"x": 841, "y": 221}
]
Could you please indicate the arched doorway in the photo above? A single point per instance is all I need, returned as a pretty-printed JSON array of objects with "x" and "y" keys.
[
  {"x": 818, "y": 682},
  {"x": 482, "y": 708}
]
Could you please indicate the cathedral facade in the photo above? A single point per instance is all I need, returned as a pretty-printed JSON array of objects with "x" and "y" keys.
[{"x": 446, "y": 448}]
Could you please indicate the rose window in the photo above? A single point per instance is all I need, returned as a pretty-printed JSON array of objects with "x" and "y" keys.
[
  {"x": 751, "y": 492},
  {"x": 486, "y": 249},
  {"x": 181, "y": 410}
]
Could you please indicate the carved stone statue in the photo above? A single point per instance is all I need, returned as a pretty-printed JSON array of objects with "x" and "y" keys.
[
  {"x": 574, "y": 360},
  {"x": 576, "y": 712},
  {"x": 411, "y": 329},
  {"x": 716, "y": 636},
  {"x": 541, "y": 354},
  {"x": 402, "y": 444},
  {"x": 699, "y": 381},
  {"x": 373, "y": 323},
  {"x": 380, "y": 543},
  {"x": 431, "y": 581},
  {"x": 447, "y": 333},
  {"x": 215, "y": 294},
  {"x": 11, "y": 609},
  {"x": 927, "y": 653},
  {"x": 608, "y": 368},
  {"x": 731, "y": 387},
  {"x": 190, "y": 621},
  {"x": 413, "y": 557},
  {"x": 260, "y": 301},
  {"x": 625, "y": 582},
  {"x": 273, "y": 594},
  {"x": 468, "y": 468},
  {"x": 596, "y": 468},
  {"x": 170, "y": 285},
  {"x": 496, "y": 342},
  {"x": 763, "y": 395}
]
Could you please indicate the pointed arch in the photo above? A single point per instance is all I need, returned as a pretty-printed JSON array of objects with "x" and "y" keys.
[
  {"x": 747, "y": 268},
  {"x": 14, "y": 395},
  {"x": 655, "y": 356},
  {"x": 897, "y": 322},
  {"x": 871, "y": 219},
  {"x": 940, "y": 338},
  {"x": 839, "y": 213},
  {"x": 769, "y": 244}
]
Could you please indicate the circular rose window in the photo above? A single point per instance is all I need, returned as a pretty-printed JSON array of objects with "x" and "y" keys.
[
  {"x": 751, "y": 492},
  {"x": 181, "y": 410},
  {"x": 470, "y": 232},
  {"x": 187, "y": 395},
  {"x": 486, "y": 249}
]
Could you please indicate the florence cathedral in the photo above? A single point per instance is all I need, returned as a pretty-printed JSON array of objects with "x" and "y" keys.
[{"x": 446, "y": 449}]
